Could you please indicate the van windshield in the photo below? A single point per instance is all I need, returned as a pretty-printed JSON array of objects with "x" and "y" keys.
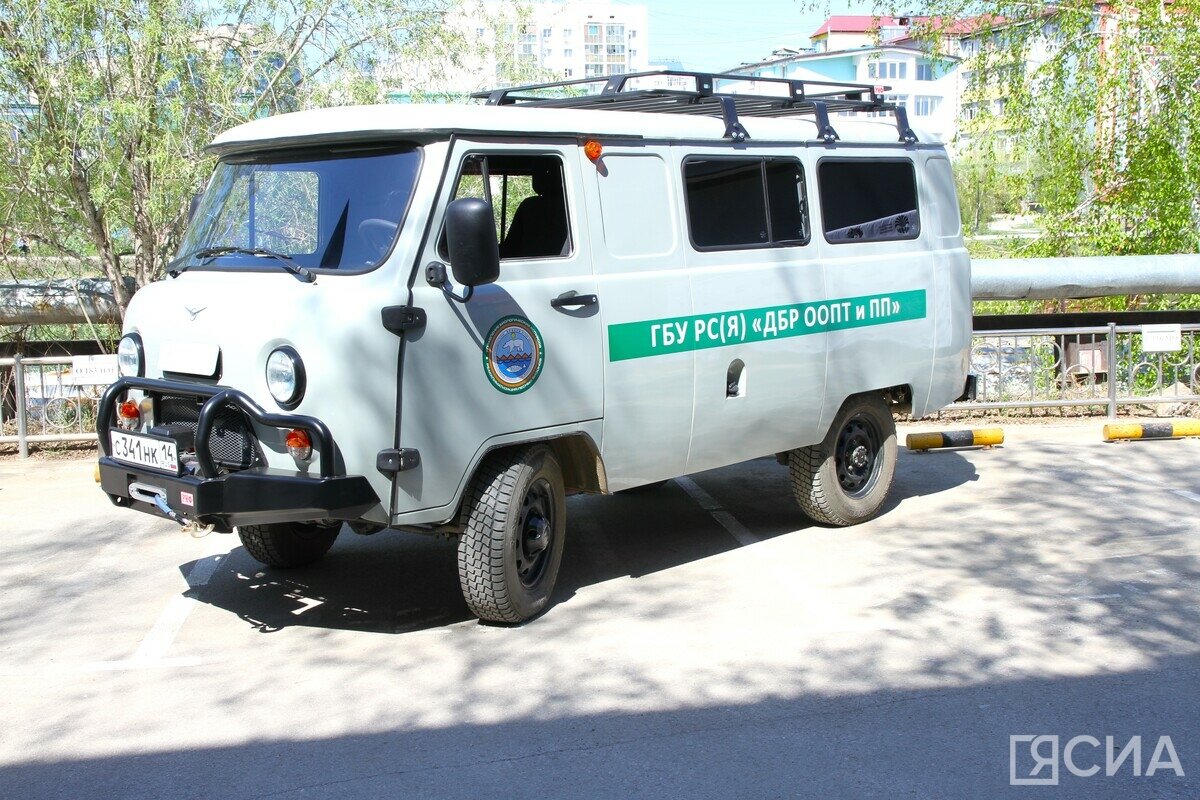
[{"x": 323, "y": 210}]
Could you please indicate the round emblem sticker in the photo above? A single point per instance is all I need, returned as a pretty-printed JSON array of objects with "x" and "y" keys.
[{"x": 513, "y": 354}]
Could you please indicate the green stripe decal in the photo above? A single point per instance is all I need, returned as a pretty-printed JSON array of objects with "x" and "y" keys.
[{"x": 659, "y": 337}]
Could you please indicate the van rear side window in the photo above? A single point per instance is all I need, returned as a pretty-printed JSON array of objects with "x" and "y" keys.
[
  {"x": 745, "y": 202},
  {"x": 868, "y": 200}
]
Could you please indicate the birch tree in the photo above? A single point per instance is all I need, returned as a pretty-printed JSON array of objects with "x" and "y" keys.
[
  {"x": 106, "y": 105},
  {"x": 1099, "y": 106}
]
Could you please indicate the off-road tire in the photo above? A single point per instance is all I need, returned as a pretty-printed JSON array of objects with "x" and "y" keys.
[
  {"x": 499, "y": 522},
  {"x": 288, "y": 544},
  {"x": 821, "y": 493}
]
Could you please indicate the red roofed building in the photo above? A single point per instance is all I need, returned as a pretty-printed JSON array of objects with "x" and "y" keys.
[{"x": 848, "y": 31}]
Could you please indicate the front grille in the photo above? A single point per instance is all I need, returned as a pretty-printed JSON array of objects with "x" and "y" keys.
[
  {"x": 173, "y": 408},
  {"x": 232, "y": 443}
]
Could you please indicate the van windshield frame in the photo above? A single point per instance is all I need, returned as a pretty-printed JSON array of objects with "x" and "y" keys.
[{"x": 336, "y": 210}]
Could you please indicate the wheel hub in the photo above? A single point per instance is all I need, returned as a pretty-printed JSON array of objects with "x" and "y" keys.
[
  {"x": 538, "y": 536},
  {"x": 535, "y": 535},
  {"x": 857, "y": 455}
]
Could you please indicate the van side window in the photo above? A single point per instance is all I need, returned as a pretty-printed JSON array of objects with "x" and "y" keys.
[
  {"x": 868, "y": 200},
  {"x": 745, "y": 202},
  {"x": 528, "y": 199}
]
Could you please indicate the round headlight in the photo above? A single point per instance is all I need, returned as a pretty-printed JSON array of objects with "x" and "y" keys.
[
  {"x": 130, "y": 356},
  {"x": 285, "y": 376}
]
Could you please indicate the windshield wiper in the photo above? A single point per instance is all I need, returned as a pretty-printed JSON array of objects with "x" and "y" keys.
[
  {"x": 207, "y": 254},
  {"x": 174, "y": 268}
]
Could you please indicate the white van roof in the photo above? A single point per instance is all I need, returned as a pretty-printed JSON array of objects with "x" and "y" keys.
[{"x": 436, "y": 121}]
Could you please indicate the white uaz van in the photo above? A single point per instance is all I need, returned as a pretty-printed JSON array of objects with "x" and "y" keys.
[{"x": 447, "y": 318}]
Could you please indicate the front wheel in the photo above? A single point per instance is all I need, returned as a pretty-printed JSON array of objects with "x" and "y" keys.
[
  {"x": 288, "y": 544},
  {"x": 845, "y": 479},
  {"x": 512, "y": 543}
]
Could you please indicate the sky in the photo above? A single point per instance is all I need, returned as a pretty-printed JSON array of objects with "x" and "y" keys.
[{"x": 713, "y": 35}]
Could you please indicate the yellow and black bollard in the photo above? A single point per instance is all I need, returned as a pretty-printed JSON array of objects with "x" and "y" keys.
[
  {"x": 1122, "y": 431},
  {"x": 982, "y": 437}
]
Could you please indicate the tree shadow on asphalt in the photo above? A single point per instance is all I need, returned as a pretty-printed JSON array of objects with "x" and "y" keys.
[
  {"x": 930, "y": 742},
  {"x": 396, "y": 582},
  {"x": 1036, "y": 604}
]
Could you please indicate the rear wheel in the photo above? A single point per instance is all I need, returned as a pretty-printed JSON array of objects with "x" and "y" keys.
[
  {"x": 511, "y": 545},
  {"x": 845, "y": 479},
  {"x": 288, "y": 544}
]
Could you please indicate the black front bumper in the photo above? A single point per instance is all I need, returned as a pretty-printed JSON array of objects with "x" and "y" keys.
[
  {"x": 250, "y": 497},
  {"x": 212, "y": 496}
]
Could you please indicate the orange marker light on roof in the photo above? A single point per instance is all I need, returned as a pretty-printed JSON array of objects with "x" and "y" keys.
[{"x": 593, "y": 150}]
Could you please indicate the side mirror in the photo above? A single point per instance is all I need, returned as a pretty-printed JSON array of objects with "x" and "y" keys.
[{"x": 471, "y": 242}]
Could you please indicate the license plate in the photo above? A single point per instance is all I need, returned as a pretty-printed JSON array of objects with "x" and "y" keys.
[{"x": 144, "y": 451}]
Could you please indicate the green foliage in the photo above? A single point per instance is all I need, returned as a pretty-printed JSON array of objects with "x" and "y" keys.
[
  {"x": 106, "y": 105},
  {"x": 1086, "y": 113},
  {"x": 984, "y": 307},
  {"x": 985, "y": 189},
  {"x": 1100, "y": 111}
]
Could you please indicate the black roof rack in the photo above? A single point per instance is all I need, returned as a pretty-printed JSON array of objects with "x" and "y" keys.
[{"x": 716, "y": 94}]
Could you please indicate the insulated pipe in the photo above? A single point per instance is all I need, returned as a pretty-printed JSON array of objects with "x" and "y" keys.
[
  {"x": 71, "y": 301},
  {"x": 1083, "y": 276},
  {"x": 66, "y": 301}
]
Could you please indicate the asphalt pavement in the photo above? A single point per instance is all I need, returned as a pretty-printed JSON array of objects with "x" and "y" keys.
[{"x": 705, "y": 642}]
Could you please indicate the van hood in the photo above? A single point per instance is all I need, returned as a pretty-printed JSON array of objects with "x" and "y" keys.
[{"x": 219, "y": 327}]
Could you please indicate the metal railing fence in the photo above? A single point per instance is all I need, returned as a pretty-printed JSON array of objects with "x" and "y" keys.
[
  {"x": 1102, "y": 366},
  {"x": 1105, "y": 367},
  {"x": 46, "y": 407}
]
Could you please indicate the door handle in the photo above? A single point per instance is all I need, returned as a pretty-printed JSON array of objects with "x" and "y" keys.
[{"x": 573, "y": 299}]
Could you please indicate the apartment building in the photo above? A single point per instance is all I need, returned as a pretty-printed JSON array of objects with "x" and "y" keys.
[
  {"x": 851, "y": 31},
  {"x": 542, "y": 41},
  {"x": 586, "y": 39},
  {"x": 924, "y": 84}
]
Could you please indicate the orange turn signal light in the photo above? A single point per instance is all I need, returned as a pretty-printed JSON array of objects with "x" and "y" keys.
[
  {"x": 593, "y": 149},
  {"x": 299, "y": 444},
  {"x": 128, "y": 415}
]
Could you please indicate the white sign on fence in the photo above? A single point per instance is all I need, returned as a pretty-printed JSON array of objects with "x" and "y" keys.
[
  {"x": 92, "y": 370},
  {"x": 1162, "y": 338}
]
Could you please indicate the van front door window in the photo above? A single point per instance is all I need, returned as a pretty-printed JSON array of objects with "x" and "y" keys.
[{"x": 528, "y": 199}]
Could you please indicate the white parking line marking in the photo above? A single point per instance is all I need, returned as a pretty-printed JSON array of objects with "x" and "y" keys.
[
  {"x": 154, "y": 646},
  {"x": 162, "y": 634},
  {"x": 1135, "y": 554},
  {"x": 1140, "y": 478},
  {"x": 204, "y": 569},
  {"x": 726, "y": 520}
]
